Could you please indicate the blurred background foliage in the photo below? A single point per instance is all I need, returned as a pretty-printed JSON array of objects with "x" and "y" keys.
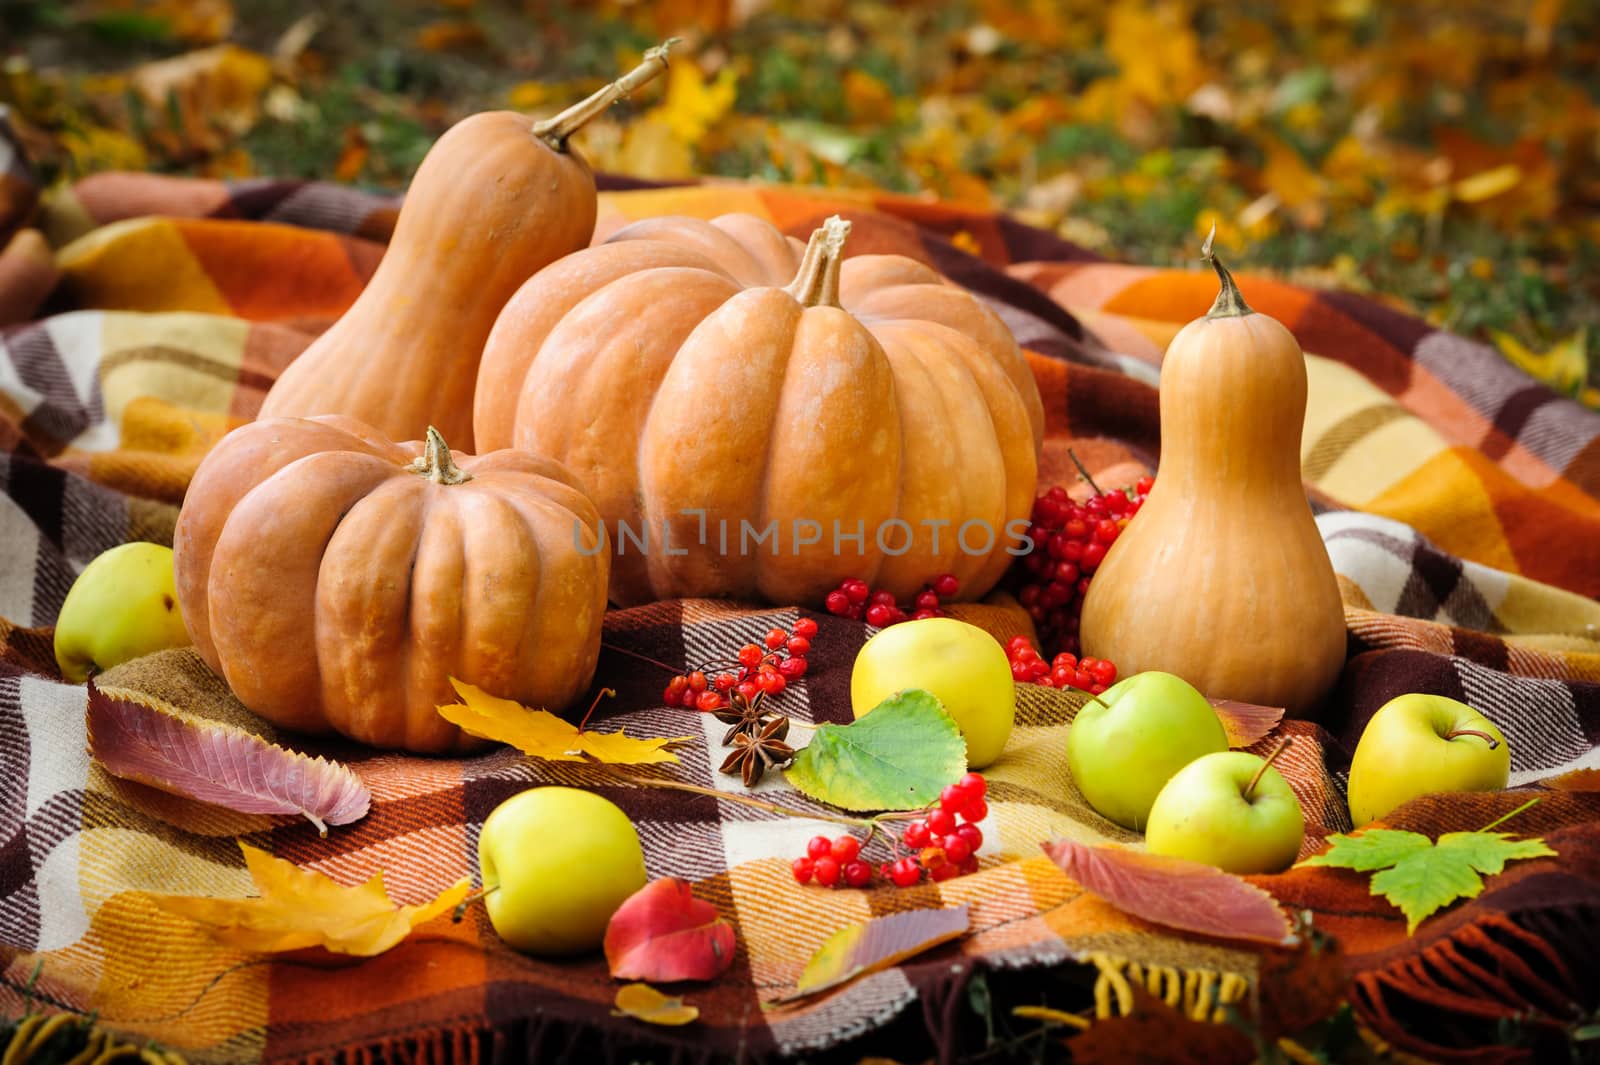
[{"x": 1438, "y": 154}]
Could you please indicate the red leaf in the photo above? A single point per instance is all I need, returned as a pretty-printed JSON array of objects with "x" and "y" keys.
[
  {"x": 1173, "y": 892},
  {"x": 1246, "y": 722},
  {"x": 664, "y": 934}
]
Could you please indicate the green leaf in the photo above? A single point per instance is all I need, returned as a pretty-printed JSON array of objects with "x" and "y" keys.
[
  {"x": 1488, "y": 852},
  {"x": 896, "y": 757},
  {"x": 1427, "y": 881},
  {"x": 1422, "y": 877},
  {"x": 1374, "y": 849}
]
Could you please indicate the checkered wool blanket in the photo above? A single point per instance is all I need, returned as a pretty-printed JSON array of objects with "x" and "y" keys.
[{"x": 1459, "y": 500}]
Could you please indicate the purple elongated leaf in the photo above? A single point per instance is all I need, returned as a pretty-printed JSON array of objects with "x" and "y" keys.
[
  {"x": 141, "y": 738},
  {"x": 1173, "y": 891}
]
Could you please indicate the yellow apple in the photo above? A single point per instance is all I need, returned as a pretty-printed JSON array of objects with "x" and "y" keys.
[
  {"x": 556, "y": 864},
  {"x": 961, "y": 665},
  {"x": 123, "y": 605},
  {"x": 1419, "y": 744},
  {"x": 1219, "y": 811},
  {"x": 1126, "y": 743}
]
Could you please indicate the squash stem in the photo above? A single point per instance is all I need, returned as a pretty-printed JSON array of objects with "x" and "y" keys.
[
  {"x": 816, "y": 284},
  {"x": 435, "y": 462},
  {"x": 1230, "y": 303},
  {"x": 555, "y": 130},
  {"x": 1250, "y": 788}
]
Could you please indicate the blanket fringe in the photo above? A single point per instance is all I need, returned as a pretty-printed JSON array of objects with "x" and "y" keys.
[
  {"x": 1199, "y": 994},
  {"x": 64, "y": 1033}
]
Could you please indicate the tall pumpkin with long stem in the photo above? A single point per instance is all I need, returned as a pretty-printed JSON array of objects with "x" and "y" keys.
[
  {"x": 495, "y": 200},
  {"x": 1222, "y": 577}
]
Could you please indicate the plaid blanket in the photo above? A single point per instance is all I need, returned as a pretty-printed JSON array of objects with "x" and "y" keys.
[{"x": 1459, "y": 500}]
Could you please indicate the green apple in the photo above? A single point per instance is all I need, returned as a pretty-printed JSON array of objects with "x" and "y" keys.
[
  {"x": 556, "y": 863},
  {"x": 1419, "y": 744},
  {"x": 1229, "y": 809},
  {"x": 963, "y": 666},
  {"x": 123, "y": 605},
  {"x": 1127, "y": 742}
]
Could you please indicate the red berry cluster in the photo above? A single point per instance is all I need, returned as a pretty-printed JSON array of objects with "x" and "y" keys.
[
  {"x": 1069, "y": 541},
  {"x": 944, "y": 844},
  {"x": 1065, "y": 670},
  {"x": 765, "y": 667},
  {"x": 855, "y": 599}
]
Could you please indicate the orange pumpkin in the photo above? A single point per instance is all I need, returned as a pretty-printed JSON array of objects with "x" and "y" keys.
[
  {"x": 495, "y": 199},
  {"x": 726, "y": 399},
  {"x": 337, "y": 580}
]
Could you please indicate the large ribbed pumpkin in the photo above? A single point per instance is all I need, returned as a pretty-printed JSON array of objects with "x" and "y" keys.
[
  {"x": 337, "y": 580},
  {"x": 496, "y": 198},
  {"x": 730, "y": 394}
]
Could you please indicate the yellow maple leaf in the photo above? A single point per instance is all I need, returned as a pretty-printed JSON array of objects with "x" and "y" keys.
[
  {"x": 1565, "y": 367},
  {"x": 692, "y": 106},
  {"x": 541, "y": 734},
  {"x": 298, "y": 908}
]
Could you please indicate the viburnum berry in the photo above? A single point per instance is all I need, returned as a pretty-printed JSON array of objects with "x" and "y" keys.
[
  {"x": 845, "y": 849},
  {"x": 975, "y": 785},
  {"x": 747, "y": 690},
  {"x": 802, "y": 868},
  {"x": 878, "y": 615},
  {"x": 916, "y": 835},
  {"x": 826, "y": 871},
  {"x": 819, "y": 847},
  {"x": 976, "y": 811},
  {"x": 953, "y": 798},
  {"x": 798, "y": 646},
  {"x": 709, "y": 700},
  {"x": 750, "y": 656},
  {"x": 857, "y": 874},
  {"x": 776, "y": 638},
  {"x": 805, "y": 628},
  {"x": 792, "y": 668},
  {"x": 941, "y": 822},
  {"x": 956, "y": 849},
  {"x": 972, "y": 834},
  {"x": 946, "y": 585},
  {"x": 944, "y": 871},
  {"x": 927, "y": 601},
  {"x": 837, "y": 603},
  {"x": 856, "y": 590},
  {"x": 905, "y": 873},
  {"x": 697, "y": 682},
  {"x": 724, "y": 682}
]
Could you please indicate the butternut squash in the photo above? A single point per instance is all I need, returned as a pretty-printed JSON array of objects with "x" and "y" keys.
[{"x": 1222, "y": 577}]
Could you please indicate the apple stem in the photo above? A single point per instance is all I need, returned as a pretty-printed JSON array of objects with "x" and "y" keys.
[
  {"x": 1503, "y": 818},
  {"x": 604, "y": 693},
  {"x": 461, "y": 907},
  {"x": 1484, "y": 736},
  {"x": 1268, "y": 760}
]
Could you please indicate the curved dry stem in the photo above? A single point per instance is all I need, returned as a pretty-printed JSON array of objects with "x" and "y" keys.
[
  {"x": 1230, "y": 303},
  {"x": 555, "y": 130}
]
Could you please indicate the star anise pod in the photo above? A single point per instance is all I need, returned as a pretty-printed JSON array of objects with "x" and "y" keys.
[
  {"x": 755, "y": 753},
  {"x": 746, "y": 716}
]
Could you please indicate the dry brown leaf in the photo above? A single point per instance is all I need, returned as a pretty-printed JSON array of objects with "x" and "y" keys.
[{"x": 297, "y": 909}]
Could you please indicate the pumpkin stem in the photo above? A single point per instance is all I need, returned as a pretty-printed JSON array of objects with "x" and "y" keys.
[
  {"x": 1250, "y": 788},
  {"x": 817, "y": 282},
  {"x": 1229, "y": 304},
  {"x": 435, "y": 462},
  {"x": 555, "y": 130}
]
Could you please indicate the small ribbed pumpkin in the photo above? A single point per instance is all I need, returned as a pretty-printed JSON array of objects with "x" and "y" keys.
[
  {"x": 337, "y": 580},
  {"x": 689, "y": 366},
  {"x": 1222, "y": 576},
  {"x": 496, "y": 198}
]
